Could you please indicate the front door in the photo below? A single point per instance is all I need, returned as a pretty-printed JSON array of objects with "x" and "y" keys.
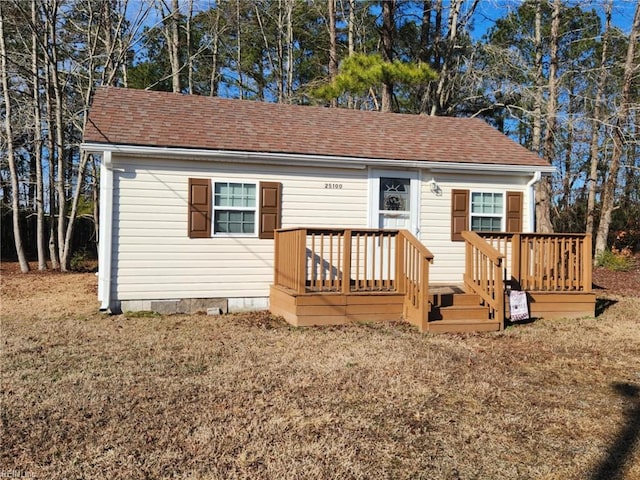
[{"x": 394, "y": 200}]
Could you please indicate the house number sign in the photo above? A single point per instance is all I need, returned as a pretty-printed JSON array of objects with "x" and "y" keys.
[{"x": 333, "y": 186}]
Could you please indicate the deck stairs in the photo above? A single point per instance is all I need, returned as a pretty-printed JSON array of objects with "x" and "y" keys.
[{"x": 454, "y": 310}]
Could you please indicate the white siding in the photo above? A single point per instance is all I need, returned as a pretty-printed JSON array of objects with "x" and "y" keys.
[
  {"x": 435, "y": 217},
  {"x": 153, "y": 258}
]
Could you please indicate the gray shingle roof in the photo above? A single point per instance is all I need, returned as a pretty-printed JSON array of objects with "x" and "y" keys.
[{"x": 159, "y": 119}]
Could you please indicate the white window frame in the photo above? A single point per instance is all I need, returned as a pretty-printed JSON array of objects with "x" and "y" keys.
[
  {"x": 502, "y": 216},
  {"x": 215, "y": 208}
]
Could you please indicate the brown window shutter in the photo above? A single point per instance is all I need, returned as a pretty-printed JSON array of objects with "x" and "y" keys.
[
  {"x": 270, "y": 208},
  {"x": 199, "y": 208},
  {"x": 514, "y": 212},
  {"x": 459, "y": 214}
]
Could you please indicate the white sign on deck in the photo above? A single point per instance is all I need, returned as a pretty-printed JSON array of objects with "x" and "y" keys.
[{"x": 518, "y": 305}]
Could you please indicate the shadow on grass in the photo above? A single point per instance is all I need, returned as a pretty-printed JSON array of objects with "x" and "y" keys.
[
  {"x": 602, "y": 304},
  {"x": 613, "y": 465},
  {"x": 515, "y": 323}
]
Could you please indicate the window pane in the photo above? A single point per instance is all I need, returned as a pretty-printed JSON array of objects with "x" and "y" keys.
[
  {"x": 221, "y": 194},
  {"x": 220, "y": 222},
  {"x": 483, "y": 202},
  {"x": 250, "y": 193},
  {"x": 234, "y": 194},
  {"x": 235, "y": 227},
  {"x": 248, "y": 224},
  {"x": 234, "y": 221},
  {"x": 486, "y": 224},
  {"x": 394, "y": 194}
]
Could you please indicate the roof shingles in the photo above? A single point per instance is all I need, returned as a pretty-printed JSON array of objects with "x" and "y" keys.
[{"x": 159, "y": 119}]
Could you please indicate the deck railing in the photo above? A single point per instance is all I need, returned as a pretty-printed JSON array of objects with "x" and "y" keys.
[
  {"x": 484, "y": 273},
  {"x": 351, "y": 261},
  {"x": 559, "y": 262},
  {"x": 413, "y": 267}
]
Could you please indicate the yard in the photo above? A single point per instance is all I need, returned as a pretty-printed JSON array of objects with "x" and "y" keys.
[{"x": 85, "y": 395}]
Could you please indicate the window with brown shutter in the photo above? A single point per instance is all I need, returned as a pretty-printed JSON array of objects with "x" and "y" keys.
[
  {"x": 270, "y": 208},
  {"x": 199, "y": 223},
  {"x": 459, "y": 214},
  {"x": 514, "y": 212}
]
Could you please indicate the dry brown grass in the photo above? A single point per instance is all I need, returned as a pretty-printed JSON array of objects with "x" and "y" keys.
[{"x": 86, "y": 395}]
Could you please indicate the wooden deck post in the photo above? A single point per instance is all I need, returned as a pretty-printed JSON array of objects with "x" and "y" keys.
[
  {"x": 499, "y": 293},
  {"x": 424, "y": 294},
  {"x": 587, "y": 267},
  {"x": 301, "y": 267},
  {"x": 346, "y": 262},
  {"x": 516, "y": 248},
  {"x": 276, "y": 258},
  {"x": 399, "y": 272}
]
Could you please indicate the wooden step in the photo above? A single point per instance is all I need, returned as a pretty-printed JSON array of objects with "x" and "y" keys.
[
  {"x": 460, "y": 312},
  {"x": 462, "y": 326},
  {"x": 455, "y": 299}
]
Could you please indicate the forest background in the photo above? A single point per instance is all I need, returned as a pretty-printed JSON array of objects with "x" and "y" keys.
[{"x": 560, "y": 77}]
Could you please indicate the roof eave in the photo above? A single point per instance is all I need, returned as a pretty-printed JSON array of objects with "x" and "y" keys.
[{"x": 288, "y": 159}]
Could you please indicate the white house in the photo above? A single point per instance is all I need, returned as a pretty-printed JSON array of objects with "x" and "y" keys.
[{"x": 193, "y": 187}]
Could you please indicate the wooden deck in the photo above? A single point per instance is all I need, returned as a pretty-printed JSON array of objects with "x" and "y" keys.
[{"x": 338, "y": 276}]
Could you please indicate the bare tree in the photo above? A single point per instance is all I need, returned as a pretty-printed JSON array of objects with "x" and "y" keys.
[
  {"x": 15, "y": 197},
  {"x": 543, "y": 199},
  {"x": 37, "y": 140},
  {"x": 214, "y": 79},
  {"x": 189, "y": 53},
  {"x": 596, "y": 124},
  {"x": 171, "y": 19},
  {"x": 290, "y": 49},
  {"x": 619, "y": 136},
  {"x": 538, "y": 79}
]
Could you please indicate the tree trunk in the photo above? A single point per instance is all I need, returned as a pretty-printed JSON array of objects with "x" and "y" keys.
[
  {"x": 65, "y": 257},
  {"x": 387, "y": 33},
  {"x": 53, "y": 244},
  {"x": 278, "y": 72},
  {"x": 213, "y": 83},
  {"x": 172, "y": 35},
  {"x": 595, "y": 126},
  {"x": 189, "y": 53},
  {"x": 619, "y": 141},
  {"x": 58, "y": 127},
  {"x": 443, "y": 56},
  {"x": 425, "y": 49},
  {"x": 37, "y": 121},
  {"x": 537, "y": 107},
  {"x": 15, "y": 192},
  {"x": 239, "y": 51},
  {"x": 543, "y": 202},
  {"x": 289, "y": 89},
  {"x": 352, "y": 20},
  {"x": 333, "y": 49}
]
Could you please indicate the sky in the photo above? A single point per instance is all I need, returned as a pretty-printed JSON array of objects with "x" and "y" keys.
[{"x": 488, "y": 11}]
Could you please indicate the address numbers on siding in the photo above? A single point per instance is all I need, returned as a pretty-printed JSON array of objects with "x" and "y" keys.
[{"x": 333, "y": 186}]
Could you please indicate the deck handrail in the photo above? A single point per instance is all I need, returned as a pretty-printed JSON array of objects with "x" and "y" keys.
[
  {"x": 558, "y": 262},
  {"x": 356, "y": 260},
  {"x": 329, "y": 259},
  {"x": 484, "y": 273},
  {"x": 413, "y": 261}
]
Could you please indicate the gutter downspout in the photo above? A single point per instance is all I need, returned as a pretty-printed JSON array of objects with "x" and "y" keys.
[
  {"x": 532, "y": 196},
  {"x": 106, "y": 232}
]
